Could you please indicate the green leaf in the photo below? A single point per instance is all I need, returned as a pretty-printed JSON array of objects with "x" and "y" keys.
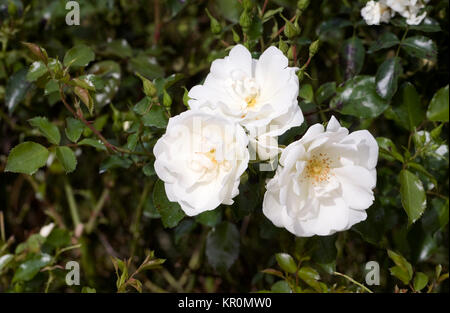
[
  {"x": 106, "y": 80},
  {"x": 358, "y": 97},
  {"x": 48, "y": 129},
  {"x": 149, "y": 169},
  {"x": 306, "y": 92},
  {"x": 58, "y": 238},
  {"x": 80, "y": 56},
  {"x": 311, "y": 277},
  {"x": 406, "y": 107},
  {"x": 403, "y": 269},
  {"x": 26, "y": 158},
  {"x": 388, "y": 147},
  {"x": 67, "y": 158},
  {"x": 210, "y": 218},
  {"x": 436, "y": 216},
  {"x": 171, "y": 213},
  {"x": 420, "y": 47},
  {"x": 386, "y": 40},
  {"x": 438, "y": 108},
  {"x": 325, "y": 92},
  {"x": 286, "y": 262},
  {"x": 428, "y": 25},
  {"x": 74, "y": 129},
  {"x": 420, "y": 281},
  {"x": 387, "y": 77},
  {"x": 222, "y": 246},
  {"x": 29, "y": 268},
  {"x": 16, "y": 89},
  {"x": 92, "y": 143},
  {"x": 88, "y": 290},
  {"x": 37, "y": 70},
  {"x": 155, "y": 117},
  {"x": 230, "y": 10},
  {"x": 146, "y": 66},
  {"x": 352, "y": 57},
  {"x": 281, "y": 286},
  {"x": 413, "y": 196},
  {"x": 115, "y": 161}
]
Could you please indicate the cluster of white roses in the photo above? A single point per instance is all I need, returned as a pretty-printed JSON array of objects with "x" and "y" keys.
[
  {"x": 376, "y": 12},
  {"x": 325, "y": 180}
]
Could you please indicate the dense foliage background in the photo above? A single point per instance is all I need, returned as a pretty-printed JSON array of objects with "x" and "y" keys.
[{"x": 111, "y": 214}]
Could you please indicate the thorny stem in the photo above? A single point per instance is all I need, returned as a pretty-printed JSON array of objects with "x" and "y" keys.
[
  {"x": 264, "y": 7},
  {"x": 137, "y": 220},
  {"x": 107, "y": 144}
]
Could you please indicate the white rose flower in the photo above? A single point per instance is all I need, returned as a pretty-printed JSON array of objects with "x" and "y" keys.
[
  {"x": 324, "y": 182},
  {"x": 261, "y": 95},
  {"x": 375, "y": 13},
  {"x": 409, "y": 9},
  {"x": 200, "y": 158}
]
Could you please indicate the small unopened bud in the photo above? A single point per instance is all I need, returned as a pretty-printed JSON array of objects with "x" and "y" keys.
[
  {"x": 216, "y": 28},
  {"x": 38, "y": 52},
  {"x": 300, "y": 75},
  {"x": 291, "y": 30},
  {"x": 245, "y": 20},
  {"x": 313, "y": 48},
  {"x": 283, "y": 46},
  {"x": 303, "y": 4},
  {"x": 149, "y": 87},
  {"x": 247, "y": 4},
  {"x": 236, "y": 37},
  {"x": 167, "y": 100}
]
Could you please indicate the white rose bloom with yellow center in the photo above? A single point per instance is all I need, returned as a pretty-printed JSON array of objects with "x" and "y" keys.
[
  {"x": 375, "y": 13},
  {"x": 324, "y": 182},
  {"x": 200, "y": 158},
  {"x": 260, "y": 95}
]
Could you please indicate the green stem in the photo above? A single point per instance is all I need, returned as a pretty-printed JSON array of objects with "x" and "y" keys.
[
  {"x": 137, "y": 220},
  {"x": 354, "y": 281},
  {"x": 401, "y": 41},
  {"x": 96, "y": 211},
  {"x": 72, "y": 204}
]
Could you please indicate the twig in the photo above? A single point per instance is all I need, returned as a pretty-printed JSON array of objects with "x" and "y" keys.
[
  {"x": 264, "y": 7},
  {"x": 96, "y": 211},
  {"x": 72, "y": 204},
  {"x": 353, "y": 281},
  {"x": 2, "y": 227}
]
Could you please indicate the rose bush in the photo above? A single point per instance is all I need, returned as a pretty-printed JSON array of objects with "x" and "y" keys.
[{"x": 224, "y": 146}]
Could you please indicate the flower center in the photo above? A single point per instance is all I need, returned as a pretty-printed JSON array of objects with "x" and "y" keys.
[
  {"x": 245, "y": 90},
  {"x": 318, "y": 168}
]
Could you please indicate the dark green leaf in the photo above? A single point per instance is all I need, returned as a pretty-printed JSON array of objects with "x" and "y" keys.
[
  {"x": 386, "y": 40},
  {"x": 387, "y": 146},
  {"x": 387, "y": 77},
  {"x": 210, "y": 218},
  {"x": 74, "y": 129},
  {"x": 286, "y": 262},
  {"x": 37, "y": 69},
  {"x": 438, "y": 108},
  {"x": 420, "y": 281},
  {"x": 407, "y": 108},
  {"x": 155, "y": 117},
  {"x": 26, "y": 158},
  {"x": 48, "y": 129},
  {"x": 413, "y": 195},
  {"x": 92, "y": 143},
  {"x": 352, "y": 57},
  {"x": 16, "y": 89},
  {"x": 67, "y": 158},
  {"x": 325, "y": 92},
  {"x": 171, "y": 213},
  {"x": 80, "y": 56},
  {"x": 29, "y": 268},
  {"x": 306, "y": 92},
  {"x": 281, "y": 286},
  {"x": 222, "y": 246},
  {"x": 358, "y": 97},
  {"x": 420, "y": 47},
  {"x": 114, "y": 161}
]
